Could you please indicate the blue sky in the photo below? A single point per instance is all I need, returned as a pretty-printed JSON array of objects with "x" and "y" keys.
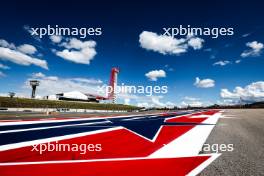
[{"x": 119, "y": 46}]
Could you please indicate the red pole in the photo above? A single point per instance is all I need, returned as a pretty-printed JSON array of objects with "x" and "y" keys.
[{"x": 113, "y": 82}]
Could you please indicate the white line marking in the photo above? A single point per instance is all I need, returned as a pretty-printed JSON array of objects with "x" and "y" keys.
[
  {"x": 69, "y": 120},
  {"x": 202, "y": 166},
  {"x": 50, "y": 127},
  {"x": 57, "y": 138},
  {"x": 95, "y": 160},
  {"x": 190, "y": 143}
]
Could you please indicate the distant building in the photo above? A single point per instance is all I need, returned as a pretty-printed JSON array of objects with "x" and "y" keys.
[
  {"x": 74, "y": 96},
  {"x": 88, "y": 97}
]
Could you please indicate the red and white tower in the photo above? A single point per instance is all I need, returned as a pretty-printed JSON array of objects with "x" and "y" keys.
[{"x": 113, "y": 84}]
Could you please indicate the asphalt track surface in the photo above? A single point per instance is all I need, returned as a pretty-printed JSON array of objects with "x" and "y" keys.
[{"x": 245, "y": 129}]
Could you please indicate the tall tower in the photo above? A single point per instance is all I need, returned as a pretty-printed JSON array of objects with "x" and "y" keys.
[
  {"x": 113, "y": 84},
  {"x": 34, "y": 84}
]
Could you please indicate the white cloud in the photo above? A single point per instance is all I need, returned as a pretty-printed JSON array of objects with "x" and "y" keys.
[
  {"x": 208, "y": 49},
  {"x": 5, "y": 44},
  {"x": 237, "y": 61},
  {"x": 169, "y": 104},
  {"x": 196, "y": 43},
  {"x": 127, "y": 101},
  {"x": 27, "y": 49},
  {"x": 167, "y": 67},
  {"x": 29, "y": 30},
  {"x": 222, "y": 63},
  {"x": 212, "y": 56},
  {"x": 78, "y": 44},
  {"x": 38, "y": 75},
  {"x": 53, "y": 84},
  {"x": 155, "y": 74},
  {"x": 56, "y": 38},
  {"x": 144, "y": 104},
  {"x": 246, "y": 35},
  {"x": 255, "y": 49},
  {"x": 225, "y": 93},
  {"x": 78, "y": 51},
  {"x": 191, "y": 103},
  {"x": 162, "y": 44},
  {"x": 167, "y": 44},
  {"x": 52, "y": 78},
  {"x": 154, "y": 101},
  {"x": 194, "y": 102},
  {"x": 88, "y": 81},
  {"x": 21, "y": 58},
  {"x": 5, "y": 67},
  {"x": 50, "y": 85},
  {"x": 252, "y": 92},
  {"x": 191, "y": 98},
  {"x": 10, "y": 53},
  {"x": 2, "y": 74},
  {"x": 144, "y": 101},
  {"x": 228, "y": 102},
  {"x": 204, "y": 83}
]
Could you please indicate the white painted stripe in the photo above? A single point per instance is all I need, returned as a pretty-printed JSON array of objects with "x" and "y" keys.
[
  {"x": 190, "y": 143},
  {"x": 202, "y": 166},
  {"x": 70, "y": 120},
  {"x": 135, "y": 118},
  {"x": 200, "y": 116},
  {"x": 28, "y": 143},
  {"x": 176, "y": 116},
  {"x": 92, "y": 160},
  {"x": 52, "y": 139},
  {"x": 51, "y": 127}
]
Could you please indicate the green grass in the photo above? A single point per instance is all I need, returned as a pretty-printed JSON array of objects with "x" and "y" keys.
[{"x": 7, "y": 102}]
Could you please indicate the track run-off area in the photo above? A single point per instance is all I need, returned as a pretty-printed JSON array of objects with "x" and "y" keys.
[{"x": 142, "y": 144}]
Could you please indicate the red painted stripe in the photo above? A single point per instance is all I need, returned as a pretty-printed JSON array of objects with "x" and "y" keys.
[
  {"x": 115, "y": 144},
  {"x": 146, "y": 167}
]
